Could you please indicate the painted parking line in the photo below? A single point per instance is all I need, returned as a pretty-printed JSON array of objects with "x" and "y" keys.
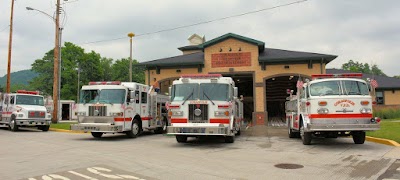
[{"x": 99, "y": 172}]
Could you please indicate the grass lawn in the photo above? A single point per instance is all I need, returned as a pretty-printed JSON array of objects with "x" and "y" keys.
[
  {"x": 390, "y": 129},
  {"x": 61, "y": 125}
]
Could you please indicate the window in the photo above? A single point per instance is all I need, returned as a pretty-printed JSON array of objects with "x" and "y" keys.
[
  {"x": 137, "y": 97},
  {"x": 325, "y": 88},
  {"x": 144, "y": 97},
  {"x": 12, "y": 100},
  {"x": 379, "y": 97}
]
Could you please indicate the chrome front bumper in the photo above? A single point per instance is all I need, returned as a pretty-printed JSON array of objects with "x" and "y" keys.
[
  {"x": 97, "y": 127},
  {"x": 33, "y": 122},
  {"x": 342, "y": 127},
  {"x": 199, "y": 131}
]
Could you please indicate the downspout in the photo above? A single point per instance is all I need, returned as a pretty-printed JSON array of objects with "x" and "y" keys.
[
  {"x": 322, "y": 61},
  {"x": 148, "y": 76}
]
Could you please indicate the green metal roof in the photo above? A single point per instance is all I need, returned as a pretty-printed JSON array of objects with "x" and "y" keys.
[{"x": 260, "y": 44}]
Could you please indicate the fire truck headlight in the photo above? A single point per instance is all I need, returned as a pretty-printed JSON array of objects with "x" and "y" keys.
[
  {"x": 323, "y": 111},
  {"x": 177, "y": 113},
  {"x": 221, "y": 113},
  {"x": 80, "y": 113},
  {"x": 365, "y": 110},
  {"x": 117, "y": 114}
]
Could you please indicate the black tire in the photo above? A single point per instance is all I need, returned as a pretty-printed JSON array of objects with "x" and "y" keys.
[
  {"x": 135, "y": 129},
  {"x": 229, "y": 139},
  {"x": 238, "y": 132},
  {"x": 358, "y": 137},
  {"x": 13, "y": 125},
  {"x": 181, "y": 139},
  {"x": 163, "y": 129},
  {"x": 44, "y": 128},
  {"x": 305, "y": 136},
  {"x": 290, "y": 132},
  {"x": 97, "y": 134}
]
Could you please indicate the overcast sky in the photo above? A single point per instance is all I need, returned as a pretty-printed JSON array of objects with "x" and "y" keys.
[{"x": 362, "y": 30}]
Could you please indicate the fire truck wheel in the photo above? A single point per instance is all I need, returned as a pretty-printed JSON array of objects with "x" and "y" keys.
[
  {"x": 238, "y": 132},
  {"x": 13, "y": 125},
  {"x": 229, "y": 139},
  {"x": 135, "y": 129},
  {"x": 358, "y": 137},
  {"x": 97, "y": 134},
  {"x": 181, "y": 139},
  {"x": 290, "y": 131},
  {"x": 162, "y": 129},
  {"x": 305, "y": 136},
  {"x": 44, "y": 128}
]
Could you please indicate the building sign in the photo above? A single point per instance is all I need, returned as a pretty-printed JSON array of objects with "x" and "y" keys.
[{"x": 231, "y": 59}]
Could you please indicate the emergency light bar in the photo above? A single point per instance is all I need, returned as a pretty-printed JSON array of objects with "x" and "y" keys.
[
  {"x": 28, "y": 92},
  {"x": 105, "y": 83},
  {"x": 345, "y": 75},
  {"x": 201, "y": 76}
]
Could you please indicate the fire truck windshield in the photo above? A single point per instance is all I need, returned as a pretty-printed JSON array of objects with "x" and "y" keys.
[
  {"x": 107, "y": 96},
  {"x": 180, "y": 92},
  {"x": 338, "y": 87},
  {"x": 29, "y": 100},
  {"x": 202, "y": 91},
  {"x": 217, "y": 92}
]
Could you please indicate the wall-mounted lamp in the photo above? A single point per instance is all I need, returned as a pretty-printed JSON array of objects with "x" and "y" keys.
[
  {"x": 220, "y": 49},
  {"x": 230, "y": 49},
  {"x": 240, "y": 49}
]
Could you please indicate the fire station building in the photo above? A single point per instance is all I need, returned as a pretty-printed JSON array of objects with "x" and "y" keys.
[{"x": 262, "y": 74}]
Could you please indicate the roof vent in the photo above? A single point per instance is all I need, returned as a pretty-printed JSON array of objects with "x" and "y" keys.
[{"x": 196, "y": 39}]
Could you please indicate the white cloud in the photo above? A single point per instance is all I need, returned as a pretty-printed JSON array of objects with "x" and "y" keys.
[{"x": 365, "y": 31}]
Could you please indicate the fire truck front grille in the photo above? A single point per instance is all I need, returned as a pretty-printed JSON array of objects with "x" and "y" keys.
[
  {"x": 97, "y": 110},
  {"x": 198, "y": 113},
  {"x": 36, "y": 114}
]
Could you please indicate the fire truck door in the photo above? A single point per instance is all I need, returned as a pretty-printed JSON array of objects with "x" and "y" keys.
[{"x": 137, "y": 102}]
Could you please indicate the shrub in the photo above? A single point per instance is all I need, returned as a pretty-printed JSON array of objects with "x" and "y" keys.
[{"x": 387, "y": 112}]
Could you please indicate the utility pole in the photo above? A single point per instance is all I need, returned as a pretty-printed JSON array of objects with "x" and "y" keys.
[
  {"x": 130, "y": 35},
  {"x": 9, "y": 49},
  {"x": 55, "y": 75}
]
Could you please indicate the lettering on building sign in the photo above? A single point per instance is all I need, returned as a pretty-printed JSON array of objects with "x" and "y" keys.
[
  {"x": 344, "y": 103},
  {"x": 231, "y": 59}
]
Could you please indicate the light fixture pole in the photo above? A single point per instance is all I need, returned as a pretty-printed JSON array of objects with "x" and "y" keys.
[
  {"x": 79, "y": 73},
  {"x": 56, "y": 75},
  {"x": 130, "y": 35},
  {"x": 9, "y": 49}
]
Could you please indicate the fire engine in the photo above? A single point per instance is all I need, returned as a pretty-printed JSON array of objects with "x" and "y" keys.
[
  {"x": 331, "y": 105},
  {"x": 24, "y": 109},
  {"x": 120, "y": 107},
  {"x": 204, "y": 105}
]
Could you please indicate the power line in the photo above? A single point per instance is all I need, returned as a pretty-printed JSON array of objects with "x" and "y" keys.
[
  {"x": 4, "y": 28},
  {"x": 200, "y": 23}
]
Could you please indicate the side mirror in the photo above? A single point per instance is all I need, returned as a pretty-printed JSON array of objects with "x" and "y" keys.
[
  {"x": 169, "y": 90},
  {"x": 235, "y": 91}
]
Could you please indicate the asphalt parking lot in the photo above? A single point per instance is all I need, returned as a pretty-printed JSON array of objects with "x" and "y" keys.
[{"x": 256, "y": 154}]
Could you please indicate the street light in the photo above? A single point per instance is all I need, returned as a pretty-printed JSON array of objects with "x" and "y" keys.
[
  {"x": 56, "y": 75},
  {"x": 130, "y": 35}
]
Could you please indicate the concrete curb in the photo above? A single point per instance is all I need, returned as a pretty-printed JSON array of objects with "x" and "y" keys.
[
  {"x": 66, "y": 131},
  {"x": 382, "y": 141}
]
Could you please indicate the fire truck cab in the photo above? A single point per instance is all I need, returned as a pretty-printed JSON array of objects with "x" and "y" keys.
[
  {"x": 204, "y": 105},
  {"x": 115, "y": 107},
  {"x": 331, "y": 105},
  {"x": 24, "y": 109}
]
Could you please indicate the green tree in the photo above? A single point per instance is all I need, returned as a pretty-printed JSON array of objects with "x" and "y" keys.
[
  {"x": 398, "y": 76},
  {"x": 106, "y": 67},
  {"x": 356, "y": 66},
  {"x": 15, "y": 87},
  {"x": 121, "y": 71}
]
